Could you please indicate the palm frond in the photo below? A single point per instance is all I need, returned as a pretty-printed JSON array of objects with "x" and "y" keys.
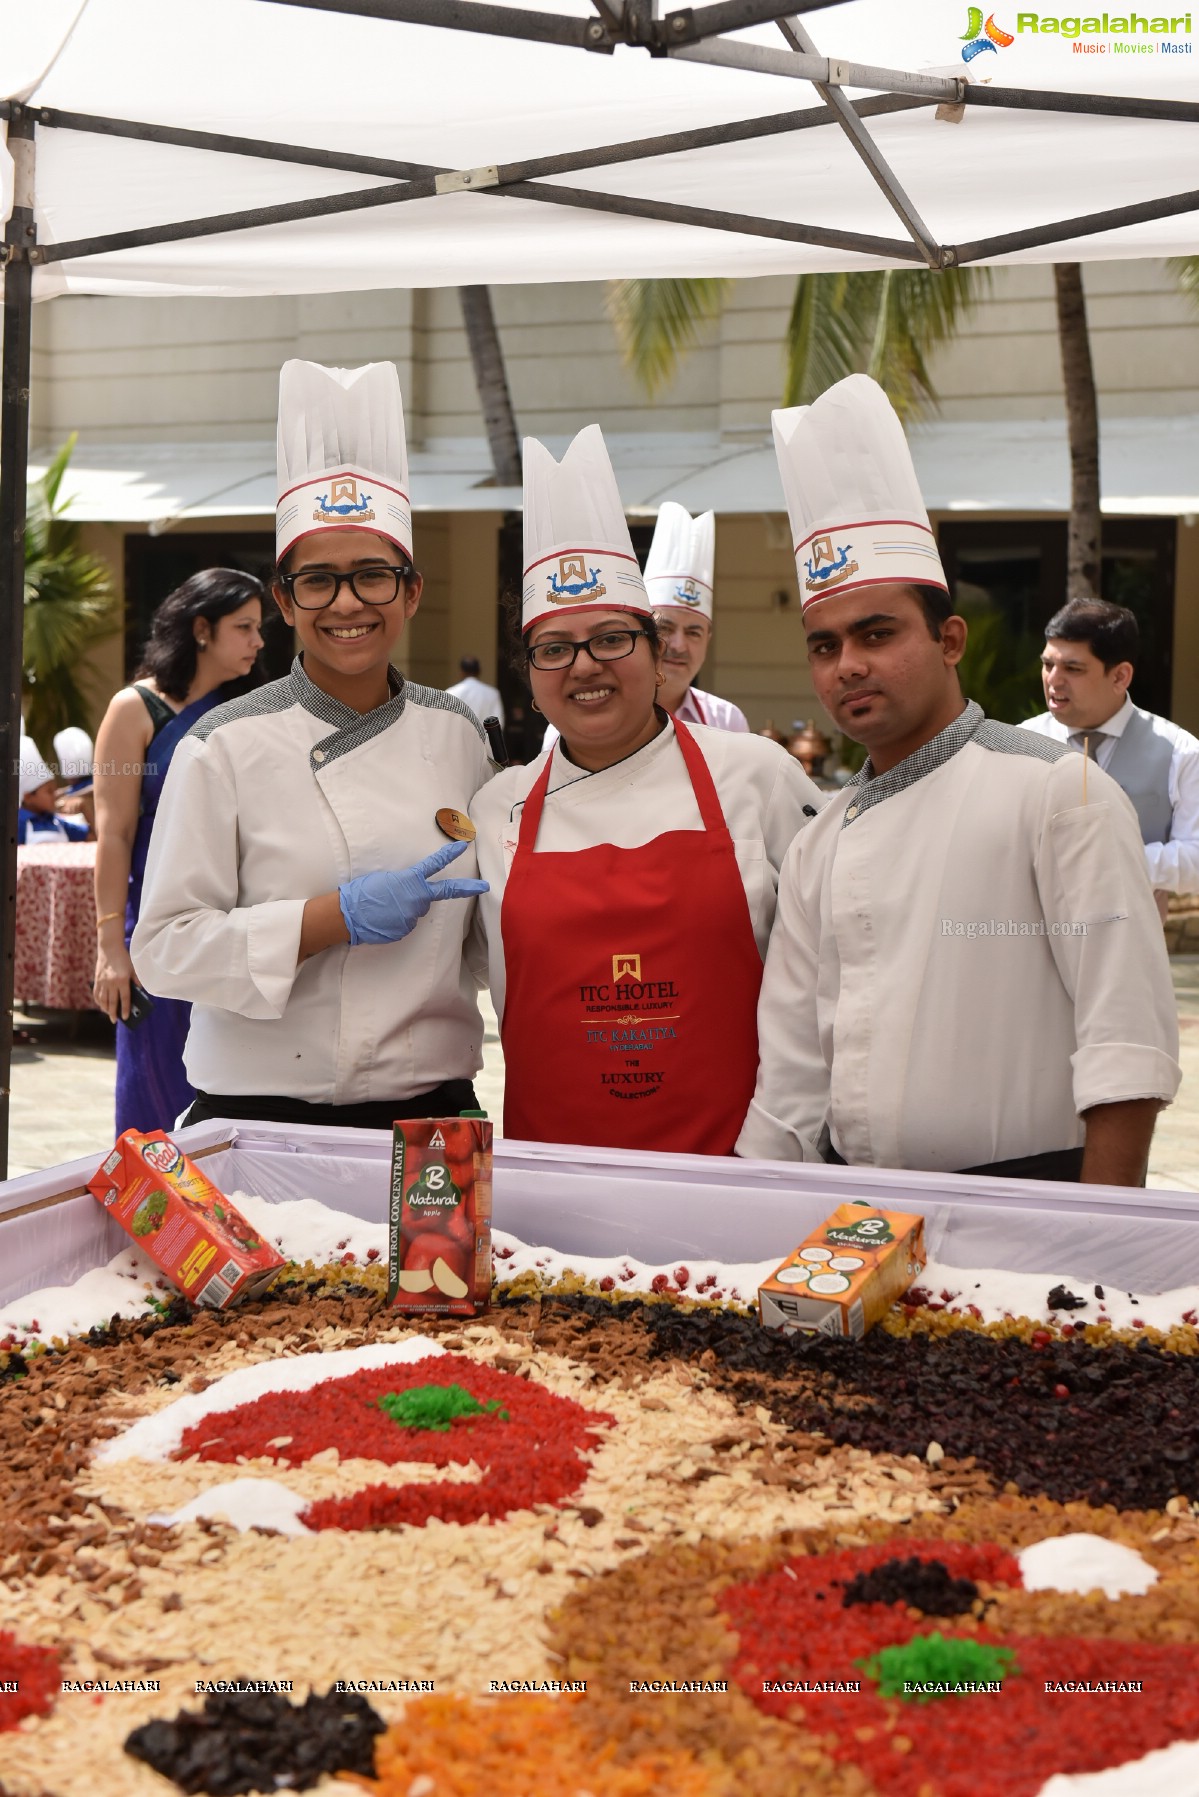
[
  {"x": 656, "y": 322},
  {"x": 832, "y": 321},
  {"x": 1186, "y": 271},
  {"x": 69, "y": 607}
]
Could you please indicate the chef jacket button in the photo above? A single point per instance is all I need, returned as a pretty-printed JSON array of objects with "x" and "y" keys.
[
  {"x": 852, "y": 812},
  {"x": 318, "y": 754}
]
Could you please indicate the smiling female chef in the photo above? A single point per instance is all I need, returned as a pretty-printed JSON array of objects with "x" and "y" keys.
[
  {"x": 291, "y": 886},
  {"x": 632, "y": 866}
]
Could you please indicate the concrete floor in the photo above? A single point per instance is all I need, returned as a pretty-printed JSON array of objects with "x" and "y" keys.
[{"x": 62, "y": 1090}]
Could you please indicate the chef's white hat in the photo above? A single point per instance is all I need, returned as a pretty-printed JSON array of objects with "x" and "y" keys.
[
  {"x": 33, "y": 770},
  {"x": 73, "y": 748},
  {"x": 578, "y": 552},
  {"x": 681, "y": 560},
  {"x": 343, "y": 458},
  {"x": 857, "y": 516}
]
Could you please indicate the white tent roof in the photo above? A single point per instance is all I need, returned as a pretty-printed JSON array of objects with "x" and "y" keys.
[
  {"x": 1150, "y": 466},
  {"x": 454, "y": 100}
]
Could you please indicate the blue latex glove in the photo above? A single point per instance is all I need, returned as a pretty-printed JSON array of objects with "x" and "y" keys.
[{"x": 384, "y": 907}]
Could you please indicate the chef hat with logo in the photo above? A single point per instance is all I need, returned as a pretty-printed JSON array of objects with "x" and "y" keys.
[
  {"x": 857, "y": 515},
  {"x": 73, "y": 747},
  {"x": 578, "y": 551},
  {"x": 681, "y": 560},
  {"x": 343, "y": 457},
  {"x": 33, "y": 770}
]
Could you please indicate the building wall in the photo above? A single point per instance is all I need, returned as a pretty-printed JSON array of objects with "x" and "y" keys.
[
  {"x": 207, "y": 370},
  {"x": 122, "y": 370}
]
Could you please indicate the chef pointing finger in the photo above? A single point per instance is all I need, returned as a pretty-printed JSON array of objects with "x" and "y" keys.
[{"x": 301, "y": 891}]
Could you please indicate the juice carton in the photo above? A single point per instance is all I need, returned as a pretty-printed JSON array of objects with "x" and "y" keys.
[
  {"x": 439, "y": 1255},
  {"x": 847, "y": 1273},
  {"x": 176, "y": 1216}
]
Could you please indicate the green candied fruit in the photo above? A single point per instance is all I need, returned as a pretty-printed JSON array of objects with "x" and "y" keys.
[
  {"x": 435, "y": 1406},
  {"x": 948, "y": 1662}
]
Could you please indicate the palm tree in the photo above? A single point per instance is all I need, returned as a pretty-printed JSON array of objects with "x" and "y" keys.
[
  {"x": 69, "y": 607},
  {"x": 882, "y": 322},
  {"x": 491, "y": 382},
  {"x": 1084, "y": 554}
]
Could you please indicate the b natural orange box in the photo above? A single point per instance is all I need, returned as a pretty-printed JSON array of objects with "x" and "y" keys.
[
  {"x": 188, "y": 1228},
  {"x": 439, "y": 1246},
  {"x": 846, "y": 1275}
]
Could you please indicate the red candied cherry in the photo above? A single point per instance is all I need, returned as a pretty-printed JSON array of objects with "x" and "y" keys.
[
  {"x": 681, "y": 1276},
  {"x": 347, "y": 1260},
  {"x": 607, "y": 1283},
  {"x": 660, "y": 1283},
  {"x": 1041, "y": 1338},
  {"x": 372, "y": 1254},
  {"x": 344, "y": 1244},
  {"x": 1061, "y": 1391}
]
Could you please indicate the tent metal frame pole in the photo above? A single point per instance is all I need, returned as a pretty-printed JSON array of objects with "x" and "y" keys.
[
  {"x": 601, "y": 33},
  {"x": 833, "y": 71},
  {"x": 582, "y": 199},
  {"x": 14, "y": 469},
  {"x": 876, "y": 163},
  {"x": 1065, "y": 229},
  {"x": 699, "y": 138}
]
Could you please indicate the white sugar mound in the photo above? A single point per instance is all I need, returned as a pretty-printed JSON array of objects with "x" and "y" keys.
[
  {"x": 157, "y": 1437},
  {"x": 1086, "y": 1563},
  {"x": 1168, "y": 1772},
  {"x": 247, "y": 1504}
]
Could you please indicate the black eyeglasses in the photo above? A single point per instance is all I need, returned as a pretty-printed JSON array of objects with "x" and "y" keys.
[
  {"x": 314, "y": 589},
  {"x": 613, "y": 645}
]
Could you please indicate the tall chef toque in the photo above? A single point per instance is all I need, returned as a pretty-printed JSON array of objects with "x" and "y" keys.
[
  {"x": 578, "y": 552},
  {"x": 681, "y": 561},
  {"x": 343, "y": 457},
  {"x": 857, "y": 516}
]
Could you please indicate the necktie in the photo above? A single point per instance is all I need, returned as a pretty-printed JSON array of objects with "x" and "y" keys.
[{"x": 1087, "y": 741}]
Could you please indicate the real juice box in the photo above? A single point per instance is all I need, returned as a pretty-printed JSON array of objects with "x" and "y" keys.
[
  {"x": 179, "y": 1218},
  {"x": 439, "y": 1256},
  {"x": 847, "y": 1273}
]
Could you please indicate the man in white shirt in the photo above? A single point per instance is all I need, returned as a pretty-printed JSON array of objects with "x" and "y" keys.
[
  {"x": 483, "y": 700},
  {"x": 966, "y": 972},
  {"x": 1087, "y": 668}
]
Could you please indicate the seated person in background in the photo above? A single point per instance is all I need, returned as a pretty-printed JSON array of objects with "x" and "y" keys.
[
  {"x": 75, "y": 752},
  {"x": 37, "y": 819}
]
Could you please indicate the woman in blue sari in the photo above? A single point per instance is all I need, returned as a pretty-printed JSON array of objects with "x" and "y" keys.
[{"x": 204, "y": 643}]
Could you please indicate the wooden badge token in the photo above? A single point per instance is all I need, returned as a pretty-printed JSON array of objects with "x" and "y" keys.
[{"x": 455, "y": 824}]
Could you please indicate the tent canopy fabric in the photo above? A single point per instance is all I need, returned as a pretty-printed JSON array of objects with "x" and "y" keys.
[
  {"x": 423, "y": 100},
  {"x": 1150, "y": 467}
]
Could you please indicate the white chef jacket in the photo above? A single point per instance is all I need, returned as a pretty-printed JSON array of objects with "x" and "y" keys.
[
  {"x": 1174, "y": 865},
  {"x": 483, "y": 700},
  {"x": 273, "y": 799},
  {"x": 696, "y": 708},
  {"x": 762, "y": 792},
  {"x": 929, "y": 993}
]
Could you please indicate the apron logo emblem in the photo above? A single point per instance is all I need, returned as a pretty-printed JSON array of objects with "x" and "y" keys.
[{"x": 626, "y": 967}]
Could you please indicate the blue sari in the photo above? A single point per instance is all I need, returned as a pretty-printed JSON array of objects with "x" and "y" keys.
[{"x": 152, "y": 1088}]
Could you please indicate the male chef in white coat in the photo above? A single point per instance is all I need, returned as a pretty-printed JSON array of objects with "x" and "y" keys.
[{"x": 966, "y": 971}]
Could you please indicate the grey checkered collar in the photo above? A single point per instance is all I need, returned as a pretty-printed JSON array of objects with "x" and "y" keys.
[
  {"x": 350, "y": 728},
  {"x": 872, "y": 788}
]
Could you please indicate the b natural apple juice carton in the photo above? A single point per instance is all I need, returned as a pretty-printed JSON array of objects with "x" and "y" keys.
[{"x": 439, "y": 1256}]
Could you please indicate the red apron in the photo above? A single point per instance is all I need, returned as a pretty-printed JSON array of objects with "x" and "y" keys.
[{"x": 630, "y": 1018}]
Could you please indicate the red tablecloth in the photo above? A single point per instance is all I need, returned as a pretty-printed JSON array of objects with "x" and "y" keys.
[{"x": 55, "y": 956}]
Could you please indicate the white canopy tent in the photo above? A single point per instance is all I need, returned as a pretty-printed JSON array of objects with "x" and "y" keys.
[{"x": 267, "y": 146}]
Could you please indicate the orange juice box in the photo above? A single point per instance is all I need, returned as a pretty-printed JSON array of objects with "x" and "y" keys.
[
  {"x": 846, "y": 1275},
  {"x": 187, "y": 1227},
  {"x": 439, "y": 1247}
]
